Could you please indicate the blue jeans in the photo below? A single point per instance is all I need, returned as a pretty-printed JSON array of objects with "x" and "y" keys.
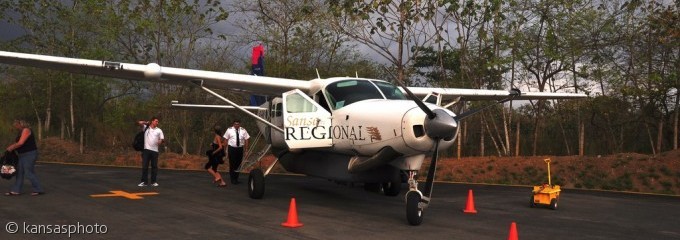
[
  {"x": 149, "y": 156},
  {"x": 26, "y": 167}
]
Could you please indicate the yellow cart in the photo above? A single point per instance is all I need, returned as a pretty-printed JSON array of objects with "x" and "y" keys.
[{"x": 546, "y": 194}]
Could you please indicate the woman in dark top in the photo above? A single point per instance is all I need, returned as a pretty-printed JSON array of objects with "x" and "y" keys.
[
  {"x": 26, "y": 148},
  {"x": 215, "y": 156}
]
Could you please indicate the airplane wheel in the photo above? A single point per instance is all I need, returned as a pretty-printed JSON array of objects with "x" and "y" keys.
[
  {"x": 553, "y": 204},
  {"x": 256, "y": 184},
  {"x": 531, "y": 202},
  {"x": 414, "y": 214},
  {"x": 393, "y": 187}
]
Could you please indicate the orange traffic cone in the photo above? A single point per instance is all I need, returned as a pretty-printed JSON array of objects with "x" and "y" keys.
[
  {"x": 513, "y": 232},
  {"x": 470, "y": 206},
  {"x": 292, "y": 216}
]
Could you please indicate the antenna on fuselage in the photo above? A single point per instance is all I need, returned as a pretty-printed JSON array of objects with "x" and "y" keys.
[
  {"x": 317, "y": 73},
  {"x": 357, "y": 74}
]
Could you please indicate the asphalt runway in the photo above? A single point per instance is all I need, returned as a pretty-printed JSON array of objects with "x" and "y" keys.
[{"x": 187, "y": 206}]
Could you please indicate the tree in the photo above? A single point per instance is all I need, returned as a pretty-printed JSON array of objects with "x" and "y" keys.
[
  {"x": 299, "y": 38},
  {"x": 393, "y": 29}
]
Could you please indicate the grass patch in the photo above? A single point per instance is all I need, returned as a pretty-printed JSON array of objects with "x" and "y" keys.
[
  {"x": 666, "y": 185},
  {"x": 530, "y": 171},
  {"x": 622, "y": 183},
  {"x": 448, "y": 177},
  {"x": 665, "y": 171},
  {"x": 619, "y": 163}
]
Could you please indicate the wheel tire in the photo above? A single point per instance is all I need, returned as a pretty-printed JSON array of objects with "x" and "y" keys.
[
  {"x": 393, "y": 187},
  {"x": 532, "y": 204},
  {"x": 256, "y": 184},
  {"x": 414, "y": 214},
  {"x": 553, "y": 204}
]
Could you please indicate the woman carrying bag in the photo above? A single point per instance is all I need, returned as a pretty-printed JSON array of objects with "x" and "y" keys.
[
  {"x": 215, "y": 157},
  {"x": 27, "y": 150}
]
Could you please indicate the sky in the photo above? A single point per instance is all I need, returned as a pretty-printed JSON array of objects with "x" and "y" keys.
[{"x": 9, "y": 31}]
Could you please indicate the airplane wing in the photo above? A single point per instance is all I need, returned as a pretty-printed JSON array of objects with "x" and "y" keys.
[
  {"x": 155, "y": 73},
  {"x": 236, "y": 82},
  {"x": 448, "y": 94}
]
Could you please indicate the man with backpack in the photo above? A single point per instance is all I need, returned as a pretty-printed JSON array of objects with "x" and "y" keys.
[{"x": 153, "y": 138}]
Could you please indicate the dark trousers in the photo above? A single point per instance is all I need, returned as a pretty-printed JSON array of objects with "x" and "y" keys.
[
  {"x": 149, "y": 156},
  {"x": 235, "y": 159}
]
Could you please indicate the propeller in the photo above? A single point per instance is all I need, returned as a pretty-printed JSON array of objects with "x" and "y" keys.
[
  {"x": 421, "y": 105},
  {"x": 429, "y": 183},
  {"x": 438, "y": 125}
]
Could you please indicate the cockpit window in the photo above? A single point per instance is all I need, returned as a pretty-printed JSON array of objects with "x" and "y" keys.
[
  {"x": 390, "y": 91},
  {"x": 346, "y": 92}
]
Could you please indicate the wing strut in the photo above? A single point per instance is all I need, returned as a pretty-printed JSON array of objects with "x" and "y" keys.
[
  {"x": 258, "y": 118},
  {"x": 513, "y": 93}
]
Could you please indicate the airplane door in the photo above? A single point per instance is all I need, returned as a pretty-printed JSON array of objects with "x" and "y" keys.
[{"x": 305, "y": 122}]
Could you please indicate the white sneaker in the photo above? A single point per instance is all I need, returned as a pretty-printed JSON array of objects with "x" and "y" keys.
[
  {"x": 142, "y": 184},
  {"x": 154, "y": 184}
]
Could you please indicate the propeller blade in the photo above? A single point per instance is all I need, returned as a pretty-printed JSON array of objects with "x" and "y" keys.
[
  {"x": 418, "y": 102},
  {"x": 429, "y": 184}
]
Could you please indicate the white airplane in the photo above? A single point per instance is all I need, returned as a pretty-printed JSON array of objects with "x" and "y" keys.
[{"x": 344, "y": 129}]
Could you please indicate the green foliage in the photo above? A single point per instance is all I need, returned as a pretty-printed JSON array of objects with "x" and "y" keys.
[
  {"x": 623, "y": 183},
  {"x": 666, "y": 185},
  {"x": 665, "y": 171}
]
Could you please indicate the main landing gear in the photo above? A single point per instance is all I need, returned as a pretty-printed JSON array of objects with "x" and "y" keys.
[{"x": 256, "y": 184}]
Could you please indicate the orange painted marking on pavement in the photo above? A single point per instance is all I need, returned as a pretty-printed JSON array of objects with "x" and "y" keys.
[{"x": 118, "y": 193}]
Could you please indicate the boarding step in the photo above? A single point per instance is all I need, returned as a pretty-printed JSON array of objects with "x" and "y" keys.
[{"x": 253, "y": 158}]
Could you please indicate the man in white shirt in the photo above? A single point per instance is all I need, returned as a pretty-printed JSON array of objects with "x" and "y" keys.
[
  {"x": 153, "y": 137},
  {"x": 237, "y": 143}
]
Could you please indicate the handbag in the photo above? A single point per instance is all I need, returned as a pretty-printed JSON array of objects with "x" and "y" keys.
[
  {"x": 219, "y": 155},
  {"x": 9, "y": 161}
]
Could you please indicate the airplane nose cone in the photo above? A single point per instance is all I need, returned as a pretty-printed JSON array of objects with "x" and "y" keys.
[{"x": 442, "y": 126}]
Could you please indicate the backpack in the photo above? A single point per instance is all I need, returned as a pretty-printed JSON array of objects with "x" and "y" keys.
[{"x": 138, "y": 142}]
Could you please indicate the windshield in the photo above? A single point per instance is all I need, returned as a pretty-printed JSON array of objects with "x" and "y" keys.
[
  {"x": 346, "y": 92},
  {"x": 343, "y": 93},
  {"x": 390, "y": 91}
]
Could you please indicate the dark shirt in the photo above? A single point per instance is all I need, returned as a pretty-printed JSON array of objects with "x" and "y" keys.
[{"x": 29, "y": 145}]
